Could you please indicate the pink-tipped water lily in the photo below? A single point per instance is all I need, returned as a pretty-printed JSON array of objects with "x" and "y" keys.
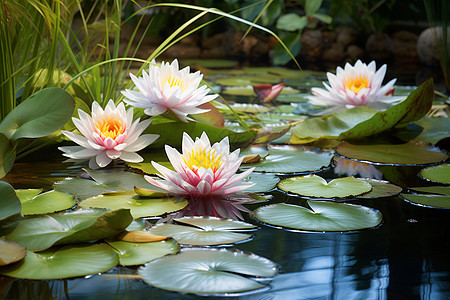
[
  {"x": 358, "y": 85},
  {"x": 106, "y": 135},
  {"x": 201, "y": 170},
  {"x": 166, "y": 88},
  {"x": 268, "y": 92}
]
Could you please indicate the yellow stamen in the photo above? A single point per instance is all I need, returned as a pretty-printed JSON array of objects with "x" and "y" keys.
[
  {"x": 357, "y": 83},
  {"x": 174, "y": 81},
  {"x": 110, "y": 127},
  {"x": 201, "y": 158}
]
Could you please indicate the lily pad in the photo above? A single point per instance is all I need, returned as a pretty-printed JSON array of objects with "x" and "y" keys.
[
  {"x": 434, "y": 129},
  {"x": 380, "y": 188},
  {"x": 440, "y": 173},
  {"x": 64, "y": 262},
  {"x": 103, "y": 181},
  {"x": 10, "y": 203},
  {"x": 208, "y": 272},
  {"x": 409, "y": 154},
  {"x": 131, "y": 254},
  {"x": 11, "y": 252},
  {"x": 41, "y": 232},
  {"x": 34, "y": 203},
  {"x": 441, "y": 190},
  {"x": 291, "y": 159},
  {"x": 315, "y": 186},
  {"x": 138, "y": 206},
  {"x": 429, "y": 200},
  {"x": 207, "y": 231},
  {"x": 263, "y": 182},
  {"x": 323, "y": 216}
]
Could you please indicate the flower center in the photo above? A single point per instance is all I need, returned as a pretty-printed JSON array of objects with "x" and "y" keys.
[
  {"x": 174, "y": 81},
  {"x": 110, "y": 127},
  {"x": 357, "y": 83},
  {"x": 203, "y": 158}
]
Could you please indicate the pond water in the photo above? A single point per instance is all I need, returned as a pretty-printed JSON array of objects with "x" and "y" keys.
[{"x": 406, "y": 257}]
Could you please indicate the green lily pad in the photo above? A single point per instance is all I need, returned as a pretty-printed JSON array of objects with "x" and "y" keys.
[
  {"x": 429, "y": 200},
  {"x": 208, "y": 271},
  {"x": 207, "y": 231},
  {"x": 263, "y": 182},
  {"x": 323, "y": 216},
  {"x": 409, "y": 154},
  {"x": 261, "y": 150},
  {"x": 291, "y": 159},
  {"x": 41, "y": 232},
  {"x": 11, "y": 252},
  {"x": 10, "y": 203},
  {"x": 131, "y": 254},
  {"x": 146, "y": 165},
  {"x": 380, "y": 188},
  {"x": 315, "y": 186},
  {"x": 103, "y": 181},
  {"x": 434, "y": 129},
  {"x": 441, "y": 190},
  {"x": 64, "y": 262},
  {"x": 250, "y": 108},
  {"x": 210, "y": 63},
  {"x": 51, "y": 201},
  {"x": 440, "y": 173},
  {"x": 139, "y": 207}
]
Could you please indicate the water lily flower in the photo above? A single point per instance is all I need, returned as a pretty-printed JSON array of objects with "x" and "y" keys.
[
  {"x": 268, "y": 92},
  {"x": 358, "y": 85},
  {"x": 166, "y": 88},
  {"x": 107, "y": 135},
  {"x": 201, "y": 170},
  {"x": 348, "y": 167}
]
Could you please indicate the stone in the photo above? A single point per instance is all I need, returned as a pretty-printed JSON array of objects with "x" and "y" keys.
[
  {"x": 379, "y": 46},
  {"x": 405, "y": 45},
  {"x": 346, "y": 36},
  {"x": 311, "y": 42},
  {"x": 429, "y": 45},
  {"x": 355, "y": 52},
  {"x": 334, "y": 53}
]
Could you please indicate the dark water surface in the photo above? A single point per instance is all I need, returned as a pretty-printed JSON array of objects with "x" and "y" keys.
[{"x": 406, "y": 257}]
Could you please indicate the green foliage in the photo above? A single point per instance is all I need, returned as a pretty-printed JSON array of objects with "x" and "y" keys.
[{"x": 10, "y": 203}]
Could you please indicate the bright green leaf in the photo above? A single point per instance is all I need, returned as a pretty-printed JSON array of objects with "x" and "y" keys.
[
  {"x": 10, "y": 203},
  {"x": 439, "y": 173},
  {"x": 51, "y": 201},
  {"x": 433, "y": 201}
]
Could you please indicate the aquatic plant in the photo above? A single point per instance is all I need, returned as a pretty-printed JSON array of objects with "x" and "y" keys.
[
  {"x": 202, "y": 169},
  {"x": 107, "y": 135}
]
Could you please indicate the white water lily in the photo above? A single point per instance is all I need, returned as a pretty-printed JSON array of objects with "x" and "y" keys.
[
  {"x": 166, "y": 88},
  {"x": 201, "y": 170},
  {"x": 358, "y": 85},
  {"x": 106, "y": 135}
]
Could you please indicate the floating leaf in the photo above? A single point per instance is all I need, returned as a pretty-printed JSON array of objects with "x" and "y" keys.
[
  {"x": 208, "y": 271},
  {"x": 10, "y": 203},
  {"x": 41, "y": 232},
  {"x": 204, "y": 231},
  {"x": 261, "y": 150},
  {"x": 138, "y": 206},
  {"x": 380, "y": 188},
  {"x": 39, "y": 115},
  {"x": 210, "y": 63},
  {"x": 131, "y": 254},
  {"x": 103, "y": 181},
  {"x": 11, "y": 252},
  {"x": 64, "y": 262},
  {"x": 323, "y": 216},
  {"x": 263, "y": 182},
  {"x": 51, "y": 201},
  {"x": 409, "y": 154},
  {"x": 433, "y": 201},
  {"x": 291, "y": 159},
  {"x": 315, "y": 186},
  {"x": 140, "y": 236},
  {"x": 441, "y": 190},
  {"x": 440, "y": 173},
  {"x": 434, "y": 129},
  {"x": 148, "y": 193}
]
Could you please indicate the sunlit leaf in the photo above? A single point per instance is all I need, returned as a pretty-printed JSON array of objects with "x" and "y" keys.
[
  {"x": 403, "y": 154},
  {"x": 380, "y": 188},
  {"x": 48, "y": 202},
  {"x": 10, "y": 203},
  {"x": 208, "y": 271},
  {"x": 64, "y": 262},
  {"x": 204, "y": 231},
  {"x": 10, "y": 252},
  {"x": 41, "y": 232},
  {"x": 428, "y": 200},
  {"x": 315, "y": 186},
  {"x": 39, "y": 115},
  {"x": 439, "y": 173},
  {"x": 263, "y": 182},
  {"x": 139, "y": 253},
  {"x": 323, "y": 216},
  {"x": 441, "y": 190},
  {"x": 140, "y": 236},
  {"x": 291, "y": 159},
  {"x": 138, "y": 206}
]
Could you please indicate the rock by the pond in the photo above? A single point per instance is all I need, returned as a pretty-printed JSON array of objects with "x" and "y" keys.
[
  {"x": 311, "y": 41},
  {"x": 379, "y": 46},
  {"x": 429, "y": 45},
  {"x": 405, "y": 45}
]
